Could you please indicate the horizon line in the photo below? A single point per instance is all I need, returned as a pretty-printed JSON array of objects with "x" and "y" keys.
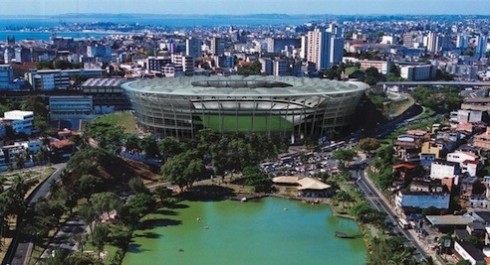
[{"x": 247, "y": 14}]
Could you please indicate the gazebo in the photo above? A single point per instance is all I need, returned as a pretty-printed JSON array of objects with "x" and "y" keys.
[{"x": 310, "y": 187}]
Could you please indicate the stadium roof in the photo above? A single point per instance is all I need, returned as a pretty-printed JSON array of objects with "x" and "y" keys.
[{"x": 244, "y": 86}]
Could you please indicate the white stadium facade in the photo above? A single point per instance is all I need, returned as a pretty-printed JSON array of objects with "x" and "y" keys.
[{"x": 286, "y": 106}]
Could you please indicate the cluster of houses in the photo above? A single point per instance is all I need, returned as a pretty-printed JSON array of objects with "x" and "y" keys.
[
  {"x": 444, "y": 168},
  {"x": 26, "y": 149}
]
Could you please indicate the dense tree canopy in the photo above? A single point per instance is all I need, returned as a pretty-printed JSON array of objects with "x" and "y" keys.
[
  {"x": 441, "y": 100},
  {"x": 369, "y": 144},
  {"x": 254, "y": 68}
]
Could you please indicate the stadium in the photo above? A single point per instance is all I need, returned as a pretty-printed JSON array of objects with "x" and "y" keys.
[{"x": 285, "y": 106}]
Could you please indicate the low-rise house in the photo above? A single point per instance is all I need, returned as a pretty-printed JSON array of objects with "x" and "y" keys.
[
  {"x": 468, "y": 162},
  {"x": 481, "y": 216},
  {"x": 486, "y": 183},
  {"x": 404, "y": 169},
  {"x": 476, "y": 229},
  {"x": 407, "y": 147},
  {"x": 449, "y": 222},
  {"x": 65, "y": 134},
  {"x": 450, "y": 139},
  {"x": 61, "y": 150},
  {"x": 8, "y": 154},
  {"x": 482, "y": 140},
  {"x": 479, "y": 202},
  {"x": 464, "y": 128},
  {"x": 466, "y": 251},
  {"x": 422, "y": 200},
  {"x": 433, "y": 147},
  {"x": 441, "y": 169},
  {"x": 469, "y": 184},
  {"x": 426, "y": 159},
  {"x": 466, "y": 116}
]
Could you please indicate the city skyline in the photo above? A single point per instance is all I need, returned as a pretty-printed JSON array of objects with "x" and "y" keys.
[{"x": 235, "y": 7}]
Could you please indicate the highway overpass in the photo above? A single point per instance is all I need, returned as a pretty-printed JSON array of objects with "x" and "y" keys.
[{"x": 460, "y": 84}]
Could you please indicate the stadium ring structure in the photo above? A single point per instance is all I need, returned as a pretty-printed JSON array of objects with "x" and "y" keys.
[{"x": 179, "y": 107}]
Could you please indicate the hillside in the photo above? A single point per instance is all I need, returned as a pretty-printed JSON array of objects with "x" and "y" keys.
[{"x": 114, "y": 170}]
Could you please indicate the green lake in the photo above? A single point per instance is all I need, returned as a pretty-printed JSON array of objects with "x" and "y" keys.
[{"x": 267, "y": 231}]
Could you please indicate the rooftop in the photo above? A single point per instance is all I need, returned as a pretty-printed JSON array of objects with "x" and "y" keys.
[
  {"x": 61, "y": 144},
  {"x": 441, "y": 220},
  {"x": 244, "y": 86},
  {"x": 285, "y": 180},
  {"x": 312, "y": 184},
  {"x": 19, "y": 112},
  {"x": 472, "y": 250},
  {"x": 98, "y": 82}
]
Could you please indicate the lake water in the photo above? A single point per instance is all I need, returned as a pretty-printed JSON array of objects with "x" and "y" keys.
[{"x": 268, "y": 231}]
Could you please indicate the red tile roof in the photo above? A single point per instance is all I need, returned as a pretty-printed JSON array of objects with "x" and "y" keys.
[
  {"x": 404, "y": 165},
  {"x": 61, "y": 144}
]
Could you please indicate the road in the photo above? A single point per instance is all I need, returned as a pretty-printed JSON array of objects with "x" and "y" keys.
[
  {"x": 375, "y": 197},
  {"x": 19, "y": 252}
]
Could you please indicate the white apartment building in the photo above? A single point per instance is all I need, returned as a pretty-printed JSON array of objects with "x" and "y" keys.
[
  {"x": 22, "y": 121},
  {"x": 468, "y": 162},
  {"x": 443, "y": 170}
]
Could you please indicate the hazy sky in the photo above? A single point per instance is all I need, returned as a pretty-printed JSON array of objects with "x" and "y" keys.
[{"x": 51, "y": 7}]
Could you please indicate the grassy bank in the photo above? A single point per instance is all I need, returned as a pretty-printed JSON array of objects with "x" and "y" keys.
[{"x": 126, "y": 120}]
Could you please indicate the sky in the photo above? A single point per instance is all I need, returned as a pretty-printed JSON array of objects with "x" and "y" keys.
[{"x": 235, "y": 7}]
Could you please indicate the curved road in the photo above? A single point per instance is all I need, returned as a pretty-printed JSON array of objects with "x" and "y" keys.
[{"x": 19, "y": 252}]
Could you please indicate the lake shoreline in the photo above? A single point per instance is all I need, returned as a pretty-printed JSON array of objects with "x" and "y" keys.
[{"x": 136, "y": 238}]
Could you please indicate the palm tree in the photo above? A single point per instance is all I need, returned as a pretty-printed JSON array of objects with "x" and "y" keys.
[
  {"x": 80, "y": 238},
  {"x": 19, "y": 161},
  {"x": 88, "y": 215}
]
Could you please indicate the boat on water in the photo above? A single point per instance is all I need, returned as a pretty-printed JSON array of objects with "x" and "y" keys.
[
  {"x": 244, "y": 199},
  {"x": 340, "y": 234}
]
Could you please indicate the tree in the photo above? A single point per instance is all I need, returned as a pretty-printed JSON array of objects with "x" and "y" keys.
[
  {"x": 333, "y": 73},
  {"x": 19, "y": 160},
  {"x": 463, "y": 262},
  {"x": 105, "y": 202},
  {"x": 372, "y": 76},
  {"x": 62, "y": 64},
  {"x": 79, "y": 258},
  {"x": 120, "y": 236},
  {"x": 391, "y": 250},
  {"x": 395, "y": 70},
  {"x": 258, "y": 180},
  {"x": 254, "y": 68},
  {"x": 108, "y": 136},
  {"x": 431, "y": 211},
  {"x": 89, "y": 184},
  {"x": 137, "y": 186},
  {"x": 36, "y": 104},
  {"x": 163, "y": 193},
  {"x": 137, "y": 207},
  {"x": 99, "y": 236},
  {"x": 88, "y": 215},
  {"x": 132, "y": 142},
  {"x": 150, "y": 146},
  {"x": 369, "y": 144},
  {"x": 183, "y": 169},
  {"x": 344, "y": 155},
  {"x": 170, "y": 147}
]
